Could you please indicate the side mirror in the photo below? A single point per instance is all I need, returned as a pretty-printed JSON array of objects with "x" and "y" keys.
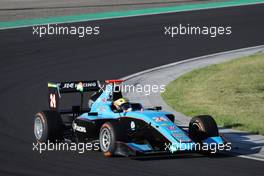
[
  {"x": 93, "y": 113},
  {"x": 119, "y": 111},
  {"x": 158, "y": 108}
]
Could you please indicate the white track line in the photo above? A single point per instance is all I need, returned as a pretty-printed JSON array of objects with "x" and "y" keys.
[{"x": 127, "y": 16}]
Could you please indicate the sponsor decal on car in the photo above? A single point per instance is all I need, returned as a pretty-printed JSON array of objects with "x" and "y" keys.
[
  {"x": 80, "y": 87},
  {"x": 78, "y": 128},
  {"x": 180, "y": 137},
  {"x": 76, "y": 84},
  {"x": 160, "y": 119},
  {"x": 102, "y": 109},
  {"x": 132, "y": 125},
  {"x": 164, "y": 124},
  {"x": 171, "y": 127}
]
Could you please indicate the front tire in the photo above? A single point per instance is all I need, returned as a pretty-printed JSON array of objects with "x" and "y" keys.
[
  {"x": 48, "y": 126},
  {"x": 201, "y": 127},
  {"x": 108, "y": 136}
]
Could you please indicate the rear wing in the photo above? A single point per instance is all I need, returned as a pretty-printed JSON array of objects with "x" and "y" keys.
[
  {"x": 75, "y": 86},
  {"x": 55, "y": 89}
]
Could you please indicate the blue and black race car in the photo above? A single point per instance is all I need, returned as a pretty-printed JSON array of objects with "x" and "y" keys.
[{"x": 121, "y": 127}]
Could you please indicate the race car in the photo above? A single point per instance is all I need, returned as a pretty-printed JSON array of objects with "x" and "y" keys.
[{"x": 121, "y": 127}]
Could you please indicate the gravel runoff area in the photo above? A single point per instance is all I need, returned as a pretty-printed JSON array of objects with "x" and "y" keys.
[
  {"x": 11, "y": 10},
  {"x": 244, "y": 144}
]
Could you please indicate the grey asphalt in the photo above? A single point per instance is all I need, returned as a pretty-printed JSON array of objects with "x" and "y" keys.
[
  {"x": 125, "y": 46},
  {"x": 11, "y": 10},
  {"x": 243, "y": 143}
]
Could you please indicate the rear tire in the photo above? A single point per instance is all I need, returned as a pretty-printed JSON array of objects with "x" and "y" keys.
[
  {"x": 201, "y": 127},
  {"x": 48, "y": 126}
]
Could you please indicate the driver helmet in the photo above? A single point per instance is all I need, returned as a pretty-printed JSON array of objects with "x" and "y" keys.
[
  {"x": 119, "y": 102},
  {"x": 122, "y": 104}
]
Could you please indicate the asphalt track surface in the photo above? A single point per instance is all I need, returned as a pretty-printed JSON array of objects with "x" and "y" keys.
[{"x": 125, "y": 46}]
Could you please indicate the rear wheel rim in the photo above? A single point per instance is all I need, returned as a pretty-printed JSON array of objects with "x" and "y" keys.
[
  {"x": 38, "y": 128},
  {"x": 105, "y": 139}
]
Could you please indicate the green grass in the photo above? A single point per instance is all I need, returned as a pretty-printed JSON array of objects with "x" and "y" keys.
[{"x": 232, "y": 92}]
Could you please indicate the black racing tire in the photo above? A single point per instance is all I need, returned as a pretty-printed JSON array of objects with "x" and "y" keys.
[
  {"x": 109, "y": 135},
  {"x": 202, "y": 127},
  {"x": 51, "y": 126}
]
